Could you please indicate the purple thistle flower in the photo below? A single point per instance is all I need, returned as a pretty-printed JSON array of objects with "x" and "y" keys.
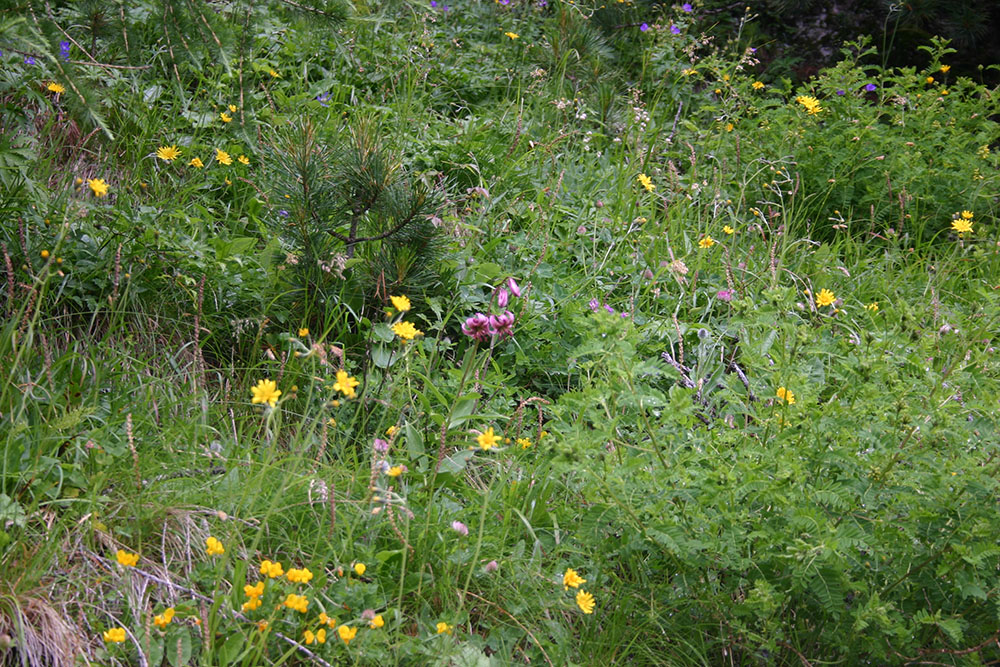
[
  {"x": 478, "y": 327},
  {"x": 674, "y": 29},
  {"x": 687, "y": 7},
  {"x": 460, "y": 528},
  {"x": 724, "y": 295},
  {"x": 503, "y": 325},
  {"x": 871, "y": 87},
  {"x": 644, "y": 27}
]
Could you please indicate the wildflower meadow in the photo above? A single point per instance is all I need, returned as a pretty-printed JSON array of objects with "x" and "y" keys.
[{"x": 493, "y": 332}]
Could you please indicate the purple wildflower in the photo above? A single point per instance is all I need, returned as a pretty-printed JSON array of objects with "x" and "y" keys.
[
  {"x": 323, "y": 98},
  {"x": 594, "y": 304},
  {"x": 674, "y": 29},
  {"x": 478, "y": 327},
  {"x": 502, "y": 296},
  {"x": 724, "y": 295},
  {"x": 503, "y": 325},
  {"x": 871, "y": 87},
  {"x": 609, "y": 309},
  {"x": 687, "y": 7},
  {"x": 434, "y": 4},
  {"x": 644, "y": 27},
  {"x": 840, "y": 92},
  {"x": 460, "y": 528},
  {"x": 64, "y": 50},
  {"x": 283, "y": 213},
  {"x": 28, "y": 60},
  {"x": 492, "y": 566},
  {"x": 381, "y": 446}
]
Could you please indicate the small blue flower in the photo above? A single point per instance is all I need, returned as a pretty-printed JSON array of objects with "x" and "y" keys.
[
  {"x": 674, "y": 29},
  {"x": 644, "y": 27},
  {"x": 840, "y": 92},
  {"x": 283, "y": 213},
  {"x": 687, "y": 7},
  {"x": 323, "y": 98},
  {"x": 28, "y": 60},
  {"x": 434, "y": 4},
  {"x": 871, "y": 87},
  {"x": 64, "y": 48}
]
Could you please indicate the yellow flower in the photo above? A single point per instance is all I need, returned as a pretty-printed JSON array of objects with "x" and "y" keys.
[
  {"x": 400, "y": 303},
  {"x": 810, "y": 103},
  {"x": 298, "y": 603},
  {"x": 406, "y": 330},
  {"x": 213, "y": 547},
  {"x": 688, "y": 72},
  {"x": 251, "y": 604},
  {"x": 254, "y": 591},
  {"x": 345, "y": 384},
  {"x": 360, "y": 568},
  {"x": 944, "y": 91},
  {"x": 226, "y": 118},
  {"x": 728, "y": 230},
  {"x": 126, "y": 559},
  {"x": 266, "y": 391},
  {"x": 377, "y": 622},
  {"x": 232, "y": 108},
  {"x": 262, "y": 626},
  {"x": 873, "y": 306},
  {"x": 395, "y": 471},
  {"x": 825, "y": 298},
  {"x": 274, "y": 74},
  {"x": 944, "y": 68},
  {"x": 163, "y": 620},
  {"x": 487, "y": 440},
  {"x": 56, "y": 88},
  {"x": 572, "y": 580},
  {"x": 309, "y": 636},
  {"x": 303, "y": 576},
  {"x": 346, "y": 633},
  {"x": 391, "y": 431},
  {"x": 99, "y": 187},
  {"x": 729, "y": 127},
  {"x": 512, "y": 35},
  {"x": 785, "y": 395},
  {"x": 524, "y": 442},
  {"x": 961, "y": 225},
  {"x": 321, "y": 636},
  {"x": 168, "y": 153},
  {"x": 585, "y": 601},
  {"x": 303, "y": 332},
  {"x": 757, "y": 85},
  {"x": 222, "y": 157},
  {"x": 706, "y": 242},
  {"x": 968, "y": 215},
  {"x": 930, "y": 79},
  {"x": 443, "y": 628},
  {"x": 115, "y": 635},
  {"x": 272, "y": 570},
  {"x": 243, "y": 159},
  {"x": 196, "y": 163},
  {"x": 646, "y": 182},
  {"x": 45, "y": 254}
]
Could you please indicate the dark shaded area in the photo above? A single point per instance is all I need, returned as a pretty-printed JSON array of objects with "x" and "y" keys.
[{"x": 798, "y": 37}]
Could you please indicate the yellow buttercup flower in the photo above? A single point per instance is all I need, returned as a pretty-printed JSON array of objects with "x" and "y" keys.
[
  {"x": 728, "y": 230},
  {"x": 346, "y": 633},
  {"x": 99, "y": 187},
  {"x": 873, "y": 306},
  {"x": 443, "y": 628},
  {"x": 377, "y": 621},
  {"x": 825, "y": 298},
  {"x": 757, "y": 85},
  {"x": 406, "y": 330},
  {"x": 114, "y": 635},
  {"x": 487, "y": 439},
  {"x": 706, "y": 242},
  {"x": 944, "y": 68},
  {"x": 303, "y": 332},
  {"x": 274, "y": 74},
  {"x": 400, "y": 303},
  {"x": 56, "y": 88},
  {"x": 226, "y": 118},
  {"x": 213, "y": 547},
  {"x": 126, "y": 559},
  {"x": 586, "y": 602},
  {"x": 163, "y": 620},
  {"x": 266, "y": 391},
  {"x": 168, "y": 153},
  {"x": 196, "y": 163},
  {"x": 345, "y": 384},
  {"x": 232, "y": 108},
  {"x": 572, "y": 580},
  {"x": 524, "y": 442},
  {"x": 785, "y": 395},
  {"x": 360, "y": 568},
  {"x": 512, "y": 35},
  {"x": 646, "y": 182},
  {"x": 222, "y": 157}
]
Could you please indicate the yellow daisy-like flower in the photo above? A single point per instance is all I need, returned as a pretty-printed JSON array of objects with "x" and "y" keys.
[
  {"x": 360, "y": 568},
  {"x": 395, "y": 471},
  {"x": 274, "y": 74},
  {"x": 56, "y": 88},
  {"x": 757, "y": 85},
  {"x": 400, "y": 303},
  {"x": 873, "y": 306},
  {"x": 443, "y": 628},
  {"x": 944, "y": 68},
  {"x": 968, "y": 215},
  {"x": 961, "y": 225},
  {"x": 303, "y": 332},
  {"x": 825, "y": 298},
  {"x": 168, "y": 153},
  {"x": 392, "y": 430},
  {"x": 487, "y": 440},
  {"x": 99, "y": 187},
  {"x": 226, "y": 118},
  {"x": 572, "y": 580},
  {"x": 346, "y": 633},
  {"x": 243, "y": 159},
  {"x": 163, "y": 620},
  {"x": 125, "y": 559},
  {"x": 524, "y": 442},
  {"x": 728, "y": 230},
  {"x": 646, "y": 182},
  {"x": 406, "y": 330},
  {"x": 222, "y": 157},
  {"x": 706, "y": 242},
  {"x": 785, "y": 395},
  {"x": 512, "y": 35},
  {"x": 114, "y": 635},
  {"x": 345, "y": 384},
  {"x": 810, "y": 103},
  {"x": 266, "y": 391},
  {"x": 377, "y": 622},
  {"x": 213, "y": 547},
  {"x": 196, "y": 163},
  {"x": 585, "y": 601},
  {"x": 232, "y": 108}
]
